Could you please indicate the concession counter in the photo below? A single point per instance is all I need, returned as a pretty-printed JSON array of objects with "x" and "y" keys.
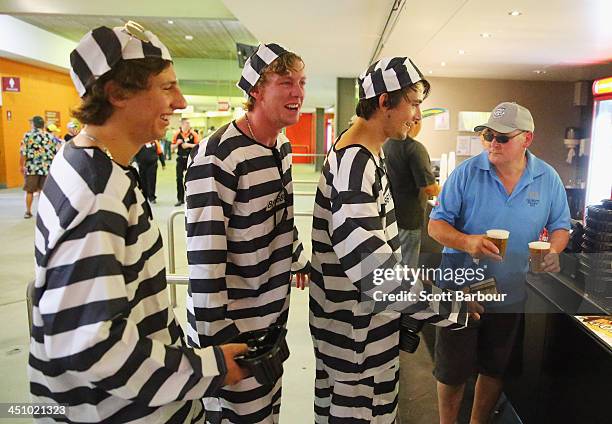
[
  {"x": 567, "y": 356},
  {"x": 567, "y": 351}
]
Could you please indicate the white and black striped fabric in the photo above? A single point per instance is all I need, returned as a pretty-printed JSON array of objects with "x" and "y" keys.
[
  {"x": 256, "y": 63},
  {"x": 102, "y": 48},
  {"x": 386, "y": 75},
  {"x": 354, "y": 232},
  {"x": 105, "y": 340},
  {"x": 242, "y": 246}
]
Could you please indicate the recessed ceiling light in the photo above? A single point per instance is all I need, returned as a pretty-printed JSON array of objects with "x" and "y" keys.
[
  {"x": 540, "y": 71},
  {"x": 442, "y": 63},
  {"x": 515, "y": 13},
  {"x": 170, "y": 21},
  {"x": 461, "y": 51},
  {"x": 485, "y": 35},
  {"x": 189, "y": 37},
  {"x": 430, "y": 72}
]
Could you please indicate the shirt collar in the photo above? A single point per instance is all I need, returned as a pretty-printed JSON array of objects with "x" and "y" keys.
[
  {"x": 482, "y": 161},
  {"x": 534, "y": 164}
]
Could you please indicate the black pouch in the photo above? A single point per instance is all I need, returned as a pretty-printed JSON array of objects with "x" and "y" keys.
[
  {"x": 267, "y": 351},
  {"x": 409, "y": 338}
]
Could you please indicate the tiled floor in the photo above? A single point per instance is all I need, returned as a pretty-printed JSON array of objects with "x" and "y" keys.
[{"x": 417, "y": 397}]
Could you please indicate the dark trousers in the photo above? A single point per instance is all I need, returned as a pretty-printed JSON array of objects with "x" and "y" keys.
[
  {"x": 181, "y": 167},
  {"x": 148, "y": 176},
  {"x": 166, "y": 147}
]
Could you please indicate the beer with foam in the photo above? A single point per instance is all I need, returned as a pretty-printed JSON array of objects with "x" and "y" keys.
[
  {"x": 537, "y": 251},
  {"x": 500, "y": 239}
]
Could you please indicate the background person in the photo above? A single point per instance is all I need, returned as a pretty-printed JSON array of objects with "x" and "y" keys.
[
  {"x": 184, "y": 140},
  {"x": 54, "y": 131},
  {"x": 73, "y": 130},
  {"x": 147, "y": 158},
  {"x": 412, "y": 183},
  {"x": 37, "y": 150},
  {"x": 505, "y": 187},
  {"x": 166, "y": 143}
]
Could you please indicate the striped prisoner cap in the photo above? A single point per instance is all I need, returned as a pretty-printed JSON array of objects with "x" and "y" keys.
[
  {"x": 388, "y": 74},
  {"x": 102, "y": 48},
  {"x": 256, "y": 64}
]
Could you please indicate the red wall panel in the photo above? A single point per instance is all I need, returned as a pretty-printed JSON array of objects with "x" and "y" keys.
[{"x": 302, "y": 137}]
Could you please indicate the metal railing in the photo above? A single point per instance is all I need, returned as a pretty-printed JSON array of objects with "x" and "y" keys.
[
  {"x": 304, "y": 182},
  {"x": 308, "y": 155},
  {"x": 29, "y": 295},
  {"x": 174, "y": 279},
  {"x": 171, "y": 256}
]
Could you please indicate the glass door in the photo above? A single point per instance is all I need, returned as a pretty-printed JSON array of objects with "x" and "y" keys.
[{"x": 599, "y": 180}]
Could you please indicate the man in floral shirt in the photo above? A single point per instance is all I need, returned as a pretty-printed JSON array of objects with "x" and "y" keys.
[{"x": 37, "y": 152}]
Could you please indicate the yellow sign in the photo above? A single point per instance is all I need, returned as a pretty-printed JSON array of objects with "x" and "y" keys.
[{"x": 602, "y": 86}]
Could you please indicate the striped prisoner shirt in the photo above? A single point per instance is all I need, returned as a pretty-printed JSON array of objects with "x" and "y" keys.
[
  {"x": 104, "y": 337},
  {"x": 354, "y": 232},
  {"x": 242, "y": 246}
]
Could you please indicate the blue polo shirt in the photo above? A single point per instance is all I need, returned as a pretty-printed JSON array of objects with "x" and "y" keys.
[{"x": 474, "y": 200}]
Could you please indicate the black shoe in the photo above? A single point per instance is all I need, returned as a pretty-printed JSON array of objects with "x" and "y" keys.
[{"x": 179, "y": 203}]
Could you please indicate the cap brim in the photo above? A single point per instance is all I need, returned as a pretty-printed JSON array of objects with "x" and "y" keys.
[{"x": 502, "y": 129}]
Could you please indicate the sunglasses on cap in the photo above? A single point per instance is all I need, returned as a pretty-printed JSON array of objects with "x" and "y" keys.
[
  {"x": 136, "y": 30},
  {"x": 501, "y": 138}
]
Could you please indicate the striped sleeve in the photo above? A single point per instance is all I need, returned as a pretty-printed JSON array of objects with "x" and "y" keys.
[
  {"x": 210, "y": 193},
  {"x": 359, "y": 239},
  {"x": 89, "y": 325},
  {"x": 451, "y": 313}
]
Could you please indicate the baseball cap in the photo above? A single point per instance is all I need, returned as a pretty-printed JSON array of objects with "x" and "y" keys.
[
  {"x": 386, "y": 75},
  {"x": 101, "y": 49},
  {"x": 507, "y": 117},
  {"x": 53, "y": 128},
  {"x": 256, "y": 64},
  {"x": 38, "y": 122}
]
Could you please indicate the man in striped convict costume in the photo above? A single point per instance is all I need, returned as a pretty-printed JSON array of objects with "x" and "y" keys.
[
  {"x": 242, "y": 243},
  {"x": 105, "y": 340},
  {"x": 354, "y": 233}
]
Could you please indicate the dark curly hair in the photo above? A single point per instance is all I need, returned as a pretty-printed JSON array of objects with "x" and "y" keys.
[{"x": 131, "y": 76}]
